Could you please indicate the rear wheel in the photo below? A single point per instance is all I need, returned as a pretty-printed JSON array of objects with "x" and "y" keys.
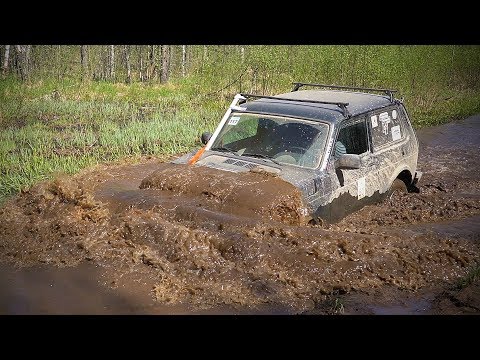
[{"x": 398, "y": 186}]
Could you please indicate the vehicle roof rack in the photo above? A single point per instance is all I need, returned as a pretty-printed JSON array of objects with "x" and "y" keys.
[
  {"x": 341, "y": 105},
  {"x": 389, "y": 92}
]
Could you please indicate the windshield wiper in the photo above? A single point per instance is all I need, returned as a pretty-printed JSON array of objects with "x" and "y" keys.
[
  {"x": 224, "y": 149},
  {"x": 262, "y": 156}
]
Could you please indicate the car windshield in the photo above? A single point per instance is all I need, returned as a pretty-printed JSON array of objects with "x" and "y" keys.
[{"x": 282, "y": 140}]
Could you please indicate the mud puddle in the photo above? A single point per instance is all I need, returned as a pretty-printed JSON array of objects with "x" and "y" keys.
[{"x": 159, "y": 238}]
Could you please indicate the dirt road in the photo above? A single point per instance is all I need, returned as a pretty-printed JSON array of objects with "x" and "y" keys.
[{"x": 154, "y": 238}]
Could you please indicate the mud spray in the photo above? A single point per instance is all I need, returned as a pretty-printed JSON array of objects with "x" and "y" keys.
[{"x": 205, "y": 238}]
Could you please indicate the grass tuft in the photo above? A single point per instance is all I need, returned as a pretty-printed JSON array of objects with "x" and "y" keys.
[{"x": 472, "y": 277}]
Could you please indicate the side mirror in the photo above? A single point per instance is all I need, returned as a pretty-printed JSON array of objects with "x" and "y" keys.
[
  {"x": 205, "y": 137},
  {"x": 348, "y": 161}
]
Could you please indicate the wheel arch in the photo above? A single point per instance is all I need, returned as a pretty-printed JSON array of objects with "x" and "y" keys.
[{"x": 404, "y": 174}]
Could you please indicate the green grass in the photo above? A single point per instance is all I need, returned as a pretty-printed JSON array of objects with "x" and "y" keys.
[
  {"x": 48, "y": 134},
  {"x": 31, "y": 153},
  {"x": 55, "y": 123},
  {"x": 336, "y": 306},
  {"x": 472, "y": 276}
]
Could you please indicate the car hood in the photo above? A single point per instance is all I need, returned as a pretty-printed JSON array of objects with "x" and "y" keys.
[{"x": 308, "y": 181}]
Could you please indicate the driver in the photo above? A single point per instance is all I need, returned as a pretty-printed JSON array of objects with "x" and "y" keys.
[{"x": 261, "y": 141}]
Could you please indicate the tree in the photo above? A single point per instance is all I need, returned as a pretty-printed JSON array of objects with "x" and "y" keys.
[
  {"x": 165, "y": 72},
  {"x": 84, "y": 61},
  {"x": 184, "y": 59},
  {"x": 23, "y": 59},
  {"x": 112, "y": 62},
  {"x": 5, "y": 59},
  {"x": 151, "y": 68},
  {"x": 140, "y": 62},
  {"x": 126, "y": 51}
]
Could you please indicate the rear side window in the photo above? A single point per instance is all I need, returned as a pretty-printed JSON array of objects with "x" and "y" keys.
[{"x": 386, "y": 126}]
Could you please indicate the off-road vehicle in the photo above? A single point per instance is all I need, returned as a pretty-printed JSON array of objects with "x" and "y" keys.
[{"x": 342, "y": 147}]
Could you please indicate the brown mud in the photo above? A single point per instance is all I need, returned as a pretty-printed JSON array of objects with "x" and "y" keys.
[{"x": 159, "y": 238}]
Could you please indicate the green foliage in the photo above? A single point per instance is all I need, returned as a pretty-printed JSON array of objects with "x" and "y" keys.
[
  {"x": 335, "y": 306},
  {"x": 472, "y": 277},
  {"x": 62, "y": 120}
]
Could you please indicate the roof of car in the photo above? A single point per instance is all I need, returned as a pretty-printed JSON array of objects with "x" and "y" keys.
[{"x": 358, "y": 103}]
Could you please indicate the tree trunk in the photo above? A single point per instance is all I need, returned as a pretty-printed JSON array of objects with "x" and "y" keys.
[
  {"x": 112, "y": 62},
  {"x": 151, "y": 65},
  {"x": 19, "y": 58},
  {"x": 126, "y": 50},
  {"x": 28, "y": 59},
  {"x": 23, "y": 57},
  {"x": 165, "y": 64},
  {"x": 105, "y": 63},
  {"x": 5, "y": 59},
  {"x": 58, "y": 49},
  {"x": 204, "y": 58},
  {"x": 140, "y": 63},
  {"x": 84, "y": 60},
  {"x": 184, "y": 59}
]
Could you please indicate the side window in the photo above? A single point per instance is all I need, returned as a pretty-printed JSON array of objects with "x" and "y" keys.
[
  {"x": 404, "y": 120},
  {"x": 352, "y": 139},
  {"x": 385, "y": 126}
]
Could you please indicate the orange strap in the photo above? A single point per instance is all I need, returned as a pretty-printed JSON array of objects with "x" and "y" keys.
[{"x": 195, "y": 157}]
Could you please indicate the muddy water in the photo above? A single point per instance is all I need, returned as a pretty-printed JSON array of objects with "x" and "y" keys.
[{"x": 162, "y": 238}]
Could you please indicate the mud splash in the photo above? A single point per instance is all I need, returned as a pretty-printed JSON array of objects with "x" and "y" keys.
[
  {"x": 250, "y": 194},
  {"x": 189, "y": 237}
]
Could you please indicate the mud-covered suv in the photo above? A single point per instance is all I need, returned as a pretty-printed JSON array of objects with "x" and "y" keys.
[{"x": 342, "y": 147}]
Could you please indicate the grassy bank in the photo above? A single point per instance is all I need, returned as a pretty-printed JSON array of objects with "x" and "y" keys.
[
  {"x": 50, "y": 125},
  {"x": 49, "y": 128}
]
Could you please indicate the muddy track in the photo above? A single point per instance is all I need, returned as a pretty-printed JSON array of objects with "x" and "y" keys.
[{"x": 163, "y": 234}]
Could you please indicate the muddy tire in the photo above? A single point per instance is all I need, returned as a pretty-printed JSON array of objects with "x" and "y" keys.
[{"x": 398, "y": 186}]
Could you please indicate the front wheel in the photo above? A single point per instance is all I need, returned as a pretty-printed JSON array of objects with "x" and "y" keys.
[{"x": 398, "y": 186}]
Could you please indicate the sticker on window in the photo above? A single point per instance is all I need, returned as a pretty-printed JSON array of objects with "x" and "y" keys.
[
  {"x": 385, "y": 120},
  {"x": 396, "y": 133},
  {"x": 394, "y": 114},
  {"x": 374, "y": 121},
  {"x": 233, "y": 120},
  {"x": 361, "y": 188}
]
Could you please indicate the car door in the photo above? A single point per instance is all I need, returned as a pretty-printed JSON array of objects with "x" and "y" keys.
[
  {"x": 351, "y": 188},
  {"x": 390, "y": 144}
]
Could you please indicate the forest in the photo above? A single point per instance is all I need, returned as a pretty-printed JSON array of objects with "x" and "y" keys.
[{"x": 67, "y": 107}]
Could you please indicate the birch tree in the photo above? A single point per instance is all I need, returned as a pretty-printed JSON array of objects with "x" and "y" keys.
[
  {"x": 184, "y": 59},
  {"x": 126, "y": 51},
  {"x": 5, "y": 59},
  {"x": 140, "y": 63},
  {"x": 112, "y": 62}
]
